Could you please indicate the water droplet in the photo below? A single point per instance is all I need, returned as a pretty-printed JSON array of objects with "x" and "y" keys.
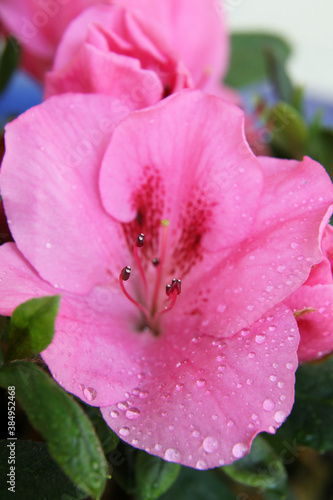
[
  {"x": 273, "y": 378},
  {"x": 124, "y": 431},
  {"x": 89, "y": 393},
  {"x": 268, "y": 405},
  {"x": 239, "y": 450},
  {"x": 280, "y": 385},
  {"x": 260, "y": 339},
  {"x": 280, "y": 416},
  {"x": 179, "y": 387},
  {"x": 294, "y": 245},
  {"x": 144, "y": 394},
  {"x": 114, "y": 414},
  {"x": 201, "y": 382},
  {"x": 209, "y": 444},
  {"x": 272, "y": 328},
  {"x": 172, "y": 455},
  {"x": 122, "y": 405},
  {"x": 81, "y": 387},
  {"x": 250, "y": 307},
  {"x": 201, "y": 465},
  {"x": 132, "y": 413},
  {"x": 221, "y": 368},
  {"x": 249, "y": 381},
  {"x": 48, "y": 245},
  {"x": 251, "y": 355},
  {"x": 281, "y": 269},
  {"x": 230, "y": 424},
  {"x": 135, "y": 442},
  {"x": 254, "y": 417},
  {"x": 289, "y": 366},
  {"x": 196, "y": 434}
]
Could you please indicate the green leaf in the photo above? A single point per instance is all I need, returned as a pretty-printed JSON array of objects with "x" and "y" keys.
[
  {"x": 289, "y": 132},
  {"x": 261, "y": 469},
  {"x": 8, "y": 62},
  {"x": 199, "y": 485},
  {"x": 153, "y": 475},
  {"x": 69, "y": 434},
  {"x": 37, "y": 476},
  {"x": 310, "y": 422},
  {"x": 32, "y": 327},
  {"x": 248, "y": 57},
  {"x": 320, "y": 146},
  {"x": 109, "y": 440},
  {"x": 278, "y": 76}
]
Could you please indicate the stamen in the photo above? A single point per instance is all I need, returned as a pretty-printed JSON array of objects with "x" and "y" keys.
[
  {"x": 124, "y": 276},
  {"x": 140, "y": 240},
  {"x": 138, "y": 244},
  {"x": 173, "y": 296},
  {"x": 165, "y": 224}
]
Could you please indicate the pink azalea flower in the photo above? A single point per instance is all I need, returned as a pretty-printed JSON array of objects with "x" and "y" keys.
[
  {"x": 192, "y": 376},
  {"x": 143, "y": 51},
  {"x": 38, "y": 25},
  {"x": 312, "y": 304}
]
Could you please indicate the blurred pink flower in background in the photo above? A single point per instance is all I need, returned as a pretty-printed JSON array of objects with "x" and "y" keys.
[
  {"x": 313, "y": 306},
  {"x": 143, "y": 51},
  {"x": 190, "y": 377},
  {"x": 38, "y": 25}
]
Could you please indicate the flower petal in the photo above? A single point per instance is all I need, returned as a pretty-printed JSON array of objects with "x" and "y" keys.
[
  {"x": 49, "y": 184},
  {"x": 316, "y": 327},
  {"x": 19, "y": 281},
  {"x": 191, "y": 147},
  {"x": 246, "y": 281},
  {"x": 205, "y": 399},
  {"x": 195, "y": 29}
]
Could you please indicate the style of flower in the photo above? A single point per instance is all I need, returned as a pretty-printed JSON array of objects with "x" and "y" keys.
[
  {"x": 143, "y": 51},
  {"x": 172, "y": 247},
  {"x": 38, "y": 26},
  {"x": 312, "y": 304}
]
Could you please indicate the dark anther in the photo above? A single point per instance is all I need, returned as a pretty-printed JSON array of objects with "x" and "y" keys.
[
  {"x": 155, "y": 262},
  {"x": 125, "y": 273},
  {"x": 140, "y": 240},
  {"x": 175, "y": 285}
]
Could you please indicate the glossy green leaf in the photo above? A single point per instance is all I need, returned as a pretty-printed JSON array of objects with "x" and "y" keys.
[
  {"x": 289, "y": 132},
  {"x": 8, "y": 61},
  {"x": 153, "y": 475},
  {"x": 248, "y": 62},
  {"x": 37, "y": 476},
  {"x": 199, "y": 485},
  {"x": 261, "y": 469},
  {"x": 70, "y": 436},
  {"x": 32, "y": 327},
  {"x": 310, "y": 422}
]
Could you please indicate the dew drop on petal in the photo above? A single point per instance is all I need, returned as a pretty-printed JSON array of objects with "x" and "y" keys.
[
  {"x": 289, "y": 366},
  {"x": 114, "y": 414},
  {"x": 89, "y": 393},
  {"x": 201, "y": 465},
  {"x": 221, "y": 308},
  {"x": 172, "y": 455},
  {"x": 201, "y": 382},
  {"x": 239, "y": 450},
  {"x": 260, "y": 339},
  {"x": 124, "y": 431},
  {"x": 268, "y": 405},
  {"x": 209, "y": 444},
  {"x": 280, "y": 416},
  {"x": 132, "y": 413}
]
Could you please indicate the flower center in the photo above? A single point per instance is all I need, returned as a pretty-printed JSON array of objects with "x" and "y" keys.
[{"x": 149, "y": 306}]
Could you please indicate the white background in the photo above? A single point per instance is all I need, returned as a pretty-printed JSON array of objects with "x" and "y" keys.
[{"x": 307, "y": 24}]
